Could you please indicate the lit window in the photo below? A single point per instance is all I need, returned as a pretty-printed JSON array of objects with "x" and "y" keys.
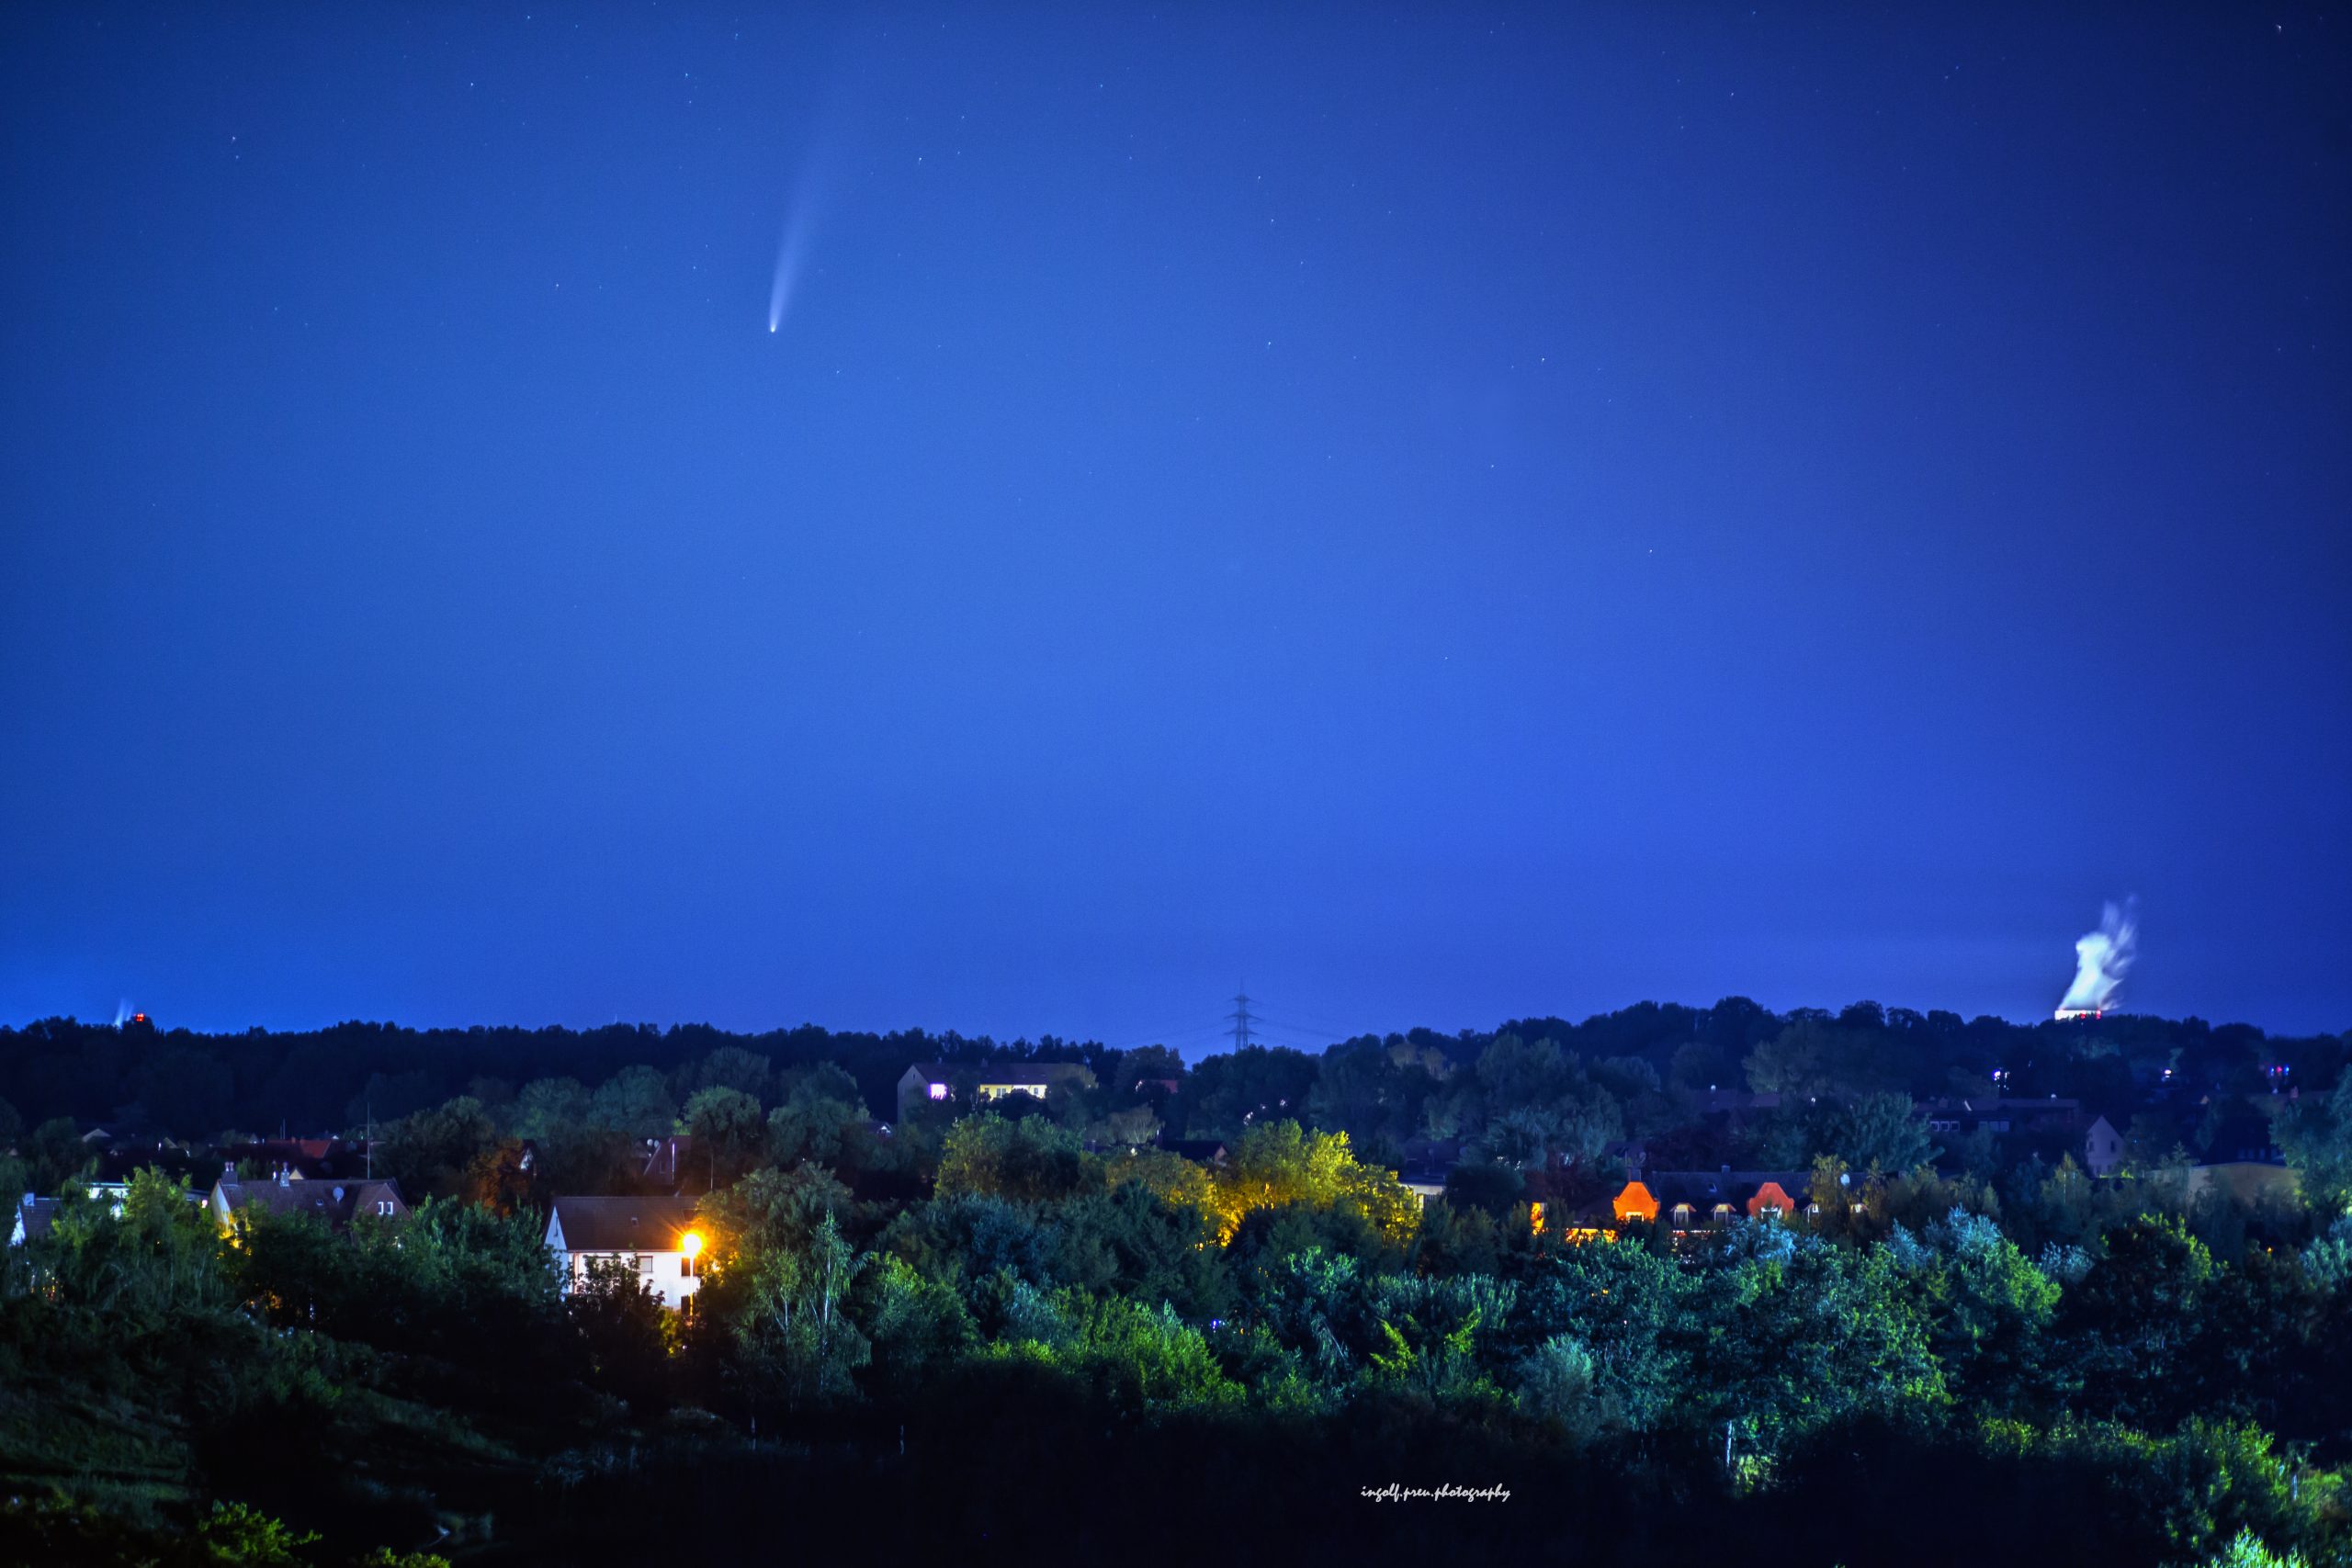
[{"x": 939, "y": 1091}]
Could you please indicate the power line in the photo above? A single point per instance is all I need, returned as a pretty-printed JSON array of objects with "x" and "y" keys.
[{"x": 1240, "y": 1019}]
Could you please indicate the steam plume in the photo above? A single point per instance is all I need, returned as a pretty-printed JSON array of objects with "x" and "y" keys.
[{"x": 2102, "y": 958}]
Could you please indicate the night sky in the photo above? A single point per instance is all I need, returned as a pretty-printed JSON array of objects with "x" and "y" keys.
[{"x": 1441, "y": 516}]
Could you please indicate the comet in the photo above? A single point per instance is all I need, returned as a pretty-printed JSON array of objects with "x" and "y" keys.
[
  {"x": 792, "y": 246},
  {"x": 791, "y": 251}
]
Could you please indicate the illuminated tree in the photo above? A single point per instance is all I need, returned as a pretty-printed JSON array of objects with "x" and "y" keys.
[
  {"x": 1281, "y": 1163},
  {"x": 1030, "y": 1158}
]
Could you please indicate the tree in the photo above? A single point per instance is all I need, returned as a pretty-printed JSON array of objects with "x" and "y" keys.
[
  {"x": 626, "y": 1332},
  {"x": 1229, "y": 1092},
  {"x": 821, "y": 1119},
  {"x": 1438, "y": 1337},
  {"x": 1360, "y": 1090},
  {"x": 916, "y": 1326},
  {"x": 1129, "y": 1241},
  {"x": 1990, "y": 1307},
  {"x": 186, "y": 1091},
  {"x": 1135, "y": 1127},
  {"x": 1492, "y": 1186},
  {"x": 1881, "y": 1132},
  {"x": 636, "y": 1101},
  {"x": 1315, "y": 1305},
  {"x": 1632, "y": 1308},
  {"x": 1281, "y": 1163},
  {"x": 2317, "y": 1136},
  {"x": 235, "y": 1536},
  {"x": 1794, "y": 1061},
  {"x": 2132, "y": 1320},
  {"x": 1031, "y": 1160},
  {"x": 551, "y": 1109},
  {"x": 1556, "y": 1385},
  {"x": 160, "y": 1256},
  {"x": 57, "y": 1154},
  {"x": 792, "y": 1338},
  {"x": 1517, "y": 1074},
  {"x": 728, "y": 1131},
  {"x": 2246, "y": 1550},
  {"x": 433, "y": 1152},
  {"x": 1798, "y": 1334},
  {"x": 773, "y": 1207},
  {"x": 732, "y": 1067},
  {"x": 1169, "y": 1176}
]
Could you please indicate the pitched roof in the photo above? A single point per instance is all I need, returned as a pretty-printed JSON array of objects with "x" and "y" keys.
[
  {"x": 620, "y": 1225},
  {"x": 336, "y": 1202}
]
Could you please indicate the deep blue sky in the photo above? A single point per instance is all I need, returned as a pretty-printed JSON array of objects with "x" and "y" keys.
[{"x": 1444, "y": 515}]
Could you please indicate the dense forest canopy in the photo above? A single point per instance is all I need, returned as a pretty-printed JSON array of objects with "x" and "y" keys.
[
  {"x": 181, "y": 1083},
  {"x": 1023, "y": 1329}
]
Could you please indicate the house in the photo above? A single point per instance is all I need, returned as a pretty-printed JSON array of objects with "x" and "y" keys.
[
  {"x": 1701, "y": 1200},
  {"x": 653, "y": 1237},
  {"x": 34, "y": 1216},
  {"x": 2102, "y": 1148},
  {"x": 976, "y": 1083},
  {"x": 334, "y": 1203}
]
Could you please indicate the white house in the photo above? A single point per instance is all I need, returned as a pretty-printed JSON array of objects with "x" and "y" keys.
[
  {"x": 2102, "y": 1148},
  {"x": 655, "y": 1237},
  {"x": 976, "y": 1083}
]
